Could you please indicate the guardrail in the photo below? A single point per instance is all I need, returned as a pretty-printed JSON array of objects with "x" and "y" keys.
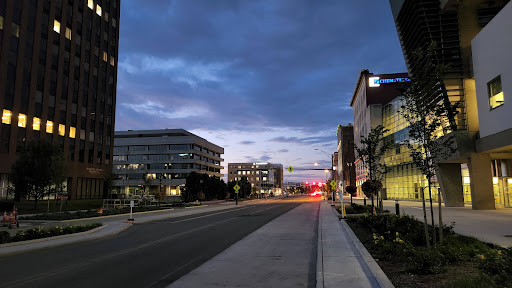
[{"x": 119, "y": 203}]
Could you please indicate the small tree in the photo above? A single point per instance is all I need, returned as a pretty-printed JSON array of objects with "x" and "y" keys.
[
  {"x": 372, "y": 150},
  {"x": 430, "y": 116},
  {"x": 40, "y": 165},
  {"x": 352, "y": 191},
  {"x": 109, "y": 177}
]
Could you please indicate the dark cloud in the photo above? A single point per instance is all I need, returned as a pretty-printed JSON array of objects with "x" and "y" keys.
[
  {"x": 305, "y": 140},
  {"x": 247, "y": 142},
  {"x": 250, "y": 64},
  {"x": 283, "y": 150}
]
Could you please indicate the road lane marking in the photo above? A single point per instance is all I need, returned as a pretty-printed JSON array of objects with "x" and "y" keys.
[{"x": 126, "y": 251}]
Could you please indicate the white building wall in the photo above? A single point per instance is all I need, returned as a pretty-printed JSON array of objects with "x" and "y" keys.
[{"x": 492, "y": 57}]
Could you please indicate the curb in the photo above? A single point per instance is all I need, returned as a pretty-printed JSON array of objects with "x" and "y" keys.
[
  {"x": 374, "y": 268},
  {"x": 99, "y": 217},
  {"x": 25, "y": 246},
  {"x": 319, "y": 257},
  {"x": 26, "y": 242},
  {"x": 53, "y": 241}
]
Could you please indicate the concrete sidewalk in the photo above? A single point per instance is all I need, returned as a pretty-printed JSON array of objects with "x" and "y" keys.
[
  {"x": 293, "y": 250},
  {"x": 491, "y": 226}
]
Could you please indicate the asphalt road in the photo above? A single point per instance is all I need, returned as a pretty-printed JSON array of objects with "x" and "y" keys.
[{"x": 153, "y": 254}]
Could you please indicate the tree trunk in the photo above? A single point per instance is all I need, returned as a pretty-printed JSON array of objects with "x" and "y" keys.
[
  {"x": 432, "y": 214},
  {"x": 440, "y": 217},
  {"x": 425, "y": 218}
]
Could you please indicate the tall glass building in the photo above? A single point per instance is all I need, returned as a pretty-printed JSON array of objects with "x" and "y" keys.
[{"x": 58, "y": 61}]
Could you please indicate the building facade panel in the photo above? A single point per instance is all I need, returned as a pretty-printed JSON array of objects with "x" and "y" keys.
[
  {"x": 265, "y": 177},
  {"x": 166, "y": 157},
  {"x": 59, "y": 65}
]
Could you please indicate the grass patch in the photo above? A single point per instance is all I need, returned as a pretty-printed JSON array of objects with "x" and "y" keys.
[
  {"x": 399, "y": 245},
  {"x": 38, "y": 233}
]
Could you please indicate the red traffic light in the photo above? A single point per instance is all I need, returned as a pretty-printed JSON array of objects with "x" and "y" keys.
[
  {"x": 307, "y": 183},
  {"x": 314, "y": 183}
]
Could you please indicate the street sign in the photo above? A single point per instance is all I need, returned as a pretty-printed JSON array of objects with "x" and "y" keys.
[
  {"x": 62, "y": 197},
  {"x": 132, "y": 203},
  {"x": 333, "y": 184},
  {"x": 290, "y": 169},
  {"x": 236, "y": 188}
]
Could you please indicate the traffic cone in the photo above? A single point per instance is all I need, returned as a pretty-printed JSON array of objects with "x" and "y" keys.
[
  {"x": 11, "y": 218},
  {"x": 5, "y": 217}
]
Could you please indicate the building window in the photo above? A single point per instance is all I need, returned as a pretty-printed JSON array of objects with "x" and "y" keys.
[
  {"x": 68, "y": 33},
  {"x": 72, "y": 132},
  {"x": 1, "y": 22},
  {"x": 22, "y": 120},
  {"x": 36, "y": 124},
  {"x": 49, "y": 126},
  {"x": 496, "y": 98},
  {"x": 111, "y": 60},
  {"x": 90, "y": 4},
  {"x": 6, "y": 117},
  {"x": 15, "y": 30},
  {"x": 105, "y": 57},
  {"x": 98, "y": 10},
  {"x": 62, "y": 129},
  {"x": 105, "y": 15},
  {"x": 56, "y": 26}
]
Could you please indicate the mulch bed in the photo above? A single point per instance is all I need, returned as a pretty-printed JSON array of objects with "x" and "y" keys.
[{"x": 398, "y": 274}]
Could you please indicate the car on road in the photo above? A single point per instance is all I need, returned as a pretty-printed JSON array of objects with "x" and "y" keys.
[{"x": 317, "y": 194}]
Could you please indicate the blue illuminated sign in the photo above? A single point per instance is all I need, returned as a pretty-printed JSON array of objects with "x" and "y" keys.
[{"x": 376, "y": 81}]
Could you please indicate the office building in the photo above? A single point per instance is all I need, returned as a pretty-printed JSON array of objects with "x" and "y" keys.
[
  {"x": 492, "y": 66},
  {"x": 370, "y": 102},
  {"x": 452, "y": 25},
  {"x": 58, "y": 60},
  {"x": 165, "y": 156},
  {"x": 345, "y": 167},
  {"x": 265, "y": 177}
]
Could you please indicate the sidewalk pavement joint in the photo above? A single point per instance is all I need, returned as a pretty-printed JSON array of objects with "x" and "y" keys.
[{"x": 342, "y": 260}]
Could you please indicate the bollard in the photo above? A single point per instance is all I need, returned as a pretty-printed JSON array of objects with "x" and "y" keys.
[
  {"x": 397, "y": 208},
  {"x": 364, "y": 201}
]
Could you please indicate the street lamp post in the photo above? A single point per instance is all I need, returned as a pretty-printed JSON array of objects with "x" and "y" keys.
[{"x": 349, "y": 165}]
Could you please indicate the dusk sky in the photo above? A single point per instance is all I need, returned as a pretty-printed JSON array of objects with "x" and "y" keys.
[{"x": 269, "y": 81}]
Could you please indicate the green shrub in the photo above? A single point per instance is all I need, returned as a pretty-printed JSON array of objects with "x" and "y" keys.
[
  {"x": 4, "y": 237},
  {"x": 479, "y": 280},
  {"x": 426, "y": 261},
  {"x": 37, "y": 233},
  {"x": 497, "y": 264}
]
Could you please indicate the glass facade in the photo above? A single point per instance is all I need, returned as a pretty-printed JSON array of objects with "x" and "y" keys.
[{"x": 403, "y": 180}]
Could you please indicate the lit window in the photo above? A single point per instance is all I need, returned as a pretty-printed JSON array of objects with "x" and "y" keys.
[
  {"x": 496, "y": 98},
  {"x": 62, "y": 129},
  {"x": 36, "y": 124},
  {"x": 6, "y": 117},
  {"x": 105, "y": 57},
  {"x": 15, "y": 30},
  {"x": 49, "y": 126},
  {"x": 1, "y": 22},
  {"x": 98, "y": 9},
  {"x": 72, "y": 132},
  {"x": 22, "y": 120},
  {"x": 68, "y": 33},
  {"x": 111, "y": 60},
  {"x": 90, "y": 4},
  {"x": 56, "y": 26}
]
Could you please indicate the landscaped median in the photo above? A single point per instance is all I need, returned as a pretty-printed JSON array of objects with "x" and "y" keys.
[
  {"x": 94, "y": 213},
  {"x": 398, "y": 244},
  {"x": 39, "y": 233}
]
